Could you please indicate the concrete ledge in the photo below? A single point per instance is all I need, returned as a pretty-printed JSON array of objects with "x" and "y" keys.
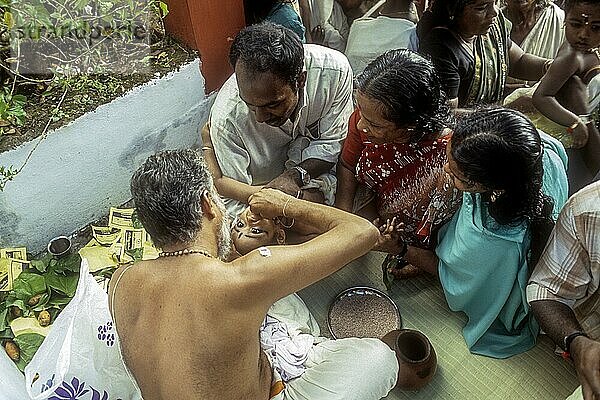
[{"x": 81, "y": 169}]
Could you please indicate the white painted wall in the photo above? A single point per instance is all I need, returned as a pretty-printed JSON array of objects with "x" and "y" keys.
[{"x": 82, "y": 169}]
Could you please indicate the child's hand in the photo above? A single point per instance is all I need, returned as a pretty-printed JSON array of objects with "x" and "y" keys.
[
  {"x": 389, "y": 240},
  {"x": 580, "y": 136}
]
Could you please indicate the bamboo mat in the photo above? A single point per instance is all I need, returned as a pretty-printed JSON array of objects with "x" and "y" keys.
[{"x": 538, "y": 374}]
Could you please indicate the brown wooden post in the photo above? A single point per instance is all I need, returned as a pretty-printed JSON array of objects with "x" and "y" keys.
[{"x": 207, "y": 26}]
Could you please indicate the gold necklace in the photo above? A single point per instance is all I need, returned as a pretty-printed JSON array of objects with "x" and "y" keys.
[{"x": 183, "y": 253}]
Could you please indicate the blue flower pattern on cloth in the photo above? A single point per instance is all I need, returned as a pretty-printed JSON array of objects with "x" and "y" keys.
[
  {"x": 74, "y": 390},
  {"x": 96, "y": 395},
  {"x": 106, "y": 333},
  {"x": 48, "y": 384}
]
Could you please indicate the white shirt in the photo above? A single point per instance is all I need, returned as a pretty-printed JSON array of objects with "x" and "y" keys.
[
  {"x": 255, "y": 153},
  {"x": 372, "y": 35}
]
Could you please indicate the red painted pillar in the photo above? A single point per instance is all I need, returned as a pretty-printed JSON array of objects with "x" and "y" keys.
[{"x": 207, "y": 26}]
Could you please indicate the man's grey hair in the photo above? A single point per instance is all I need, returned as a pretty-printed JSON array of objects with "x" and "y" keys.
[{"x": 167, "y": 190}]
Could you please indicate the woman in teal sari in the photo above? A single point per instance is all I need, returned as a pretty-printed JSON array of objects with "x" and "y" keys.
[{"x": 514, "y": 184}]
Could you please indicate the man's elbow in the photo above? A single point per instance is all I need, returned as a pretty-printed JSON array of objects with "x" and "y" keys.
[{"x": 368, "y": 233}]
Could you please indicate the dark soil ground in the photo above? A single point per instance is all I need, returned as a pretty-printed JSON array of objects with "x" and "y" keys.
[{"x": 87, "y": 92}]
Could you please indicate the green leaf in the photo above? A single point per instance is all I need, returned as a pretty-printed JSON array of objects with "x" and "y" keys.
[
  {"x": 42, "y": 264},
  {"x": 17, "y": 303},
  {"x": 164, "y": 8},
  {"x": 28, "y": 285},
  {"x": 58, "y": 301},
  {"x": 43, "y": 302},
  {"x": 19, "y": 99},
  {"x": 66, "y": 285},
  {"x": 66, "y": 264},
  {"x": 6, "y": 334},
  {"x": 28, "y": 343},
  {"x": 9, "y": 21},
  {"x": 4, "y": 319}
]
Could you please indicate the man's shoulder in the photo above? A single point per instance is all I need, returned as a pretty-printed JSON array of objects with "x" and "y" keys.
[
  {"x": 586, "y": 201},
  {"x": 228, "y": 106},
  {"x": 320, "y": 59}
]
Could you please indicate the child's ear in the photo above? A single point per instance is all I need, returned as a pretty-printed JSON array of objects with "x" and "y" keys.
[{"x": 280, "y": 235}]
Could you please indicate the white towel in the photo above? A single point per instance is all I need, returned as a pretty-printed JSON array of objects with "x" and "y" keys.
[{"x": 286, "y": 352}]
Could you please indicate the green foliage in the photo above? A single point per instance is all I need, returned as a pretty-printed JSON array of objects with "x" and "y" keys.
[
  {"x": 12, "y": 113},
  {"x": 6, "y": 174},
  {"x": 63, "y": 284},
  {"x": 62, "y": 40},
  {"x": 52, "y": 282},
  {"x": 28, "y": 285},
  {"x": 82, "y": 36},
  {"x": 28, "y": 343}
]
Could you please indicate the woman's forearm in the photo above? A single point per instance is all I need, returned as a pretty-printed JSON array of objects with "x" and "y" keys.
[
  {"x": 346, "y": 188},
  {"x": 528, "y": 67},
  {"x": 427, "y": 260}
]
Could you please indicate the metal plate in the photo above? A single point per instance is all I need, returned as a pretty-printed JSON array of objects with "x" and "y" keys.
[{"x": 362, "y": 311}]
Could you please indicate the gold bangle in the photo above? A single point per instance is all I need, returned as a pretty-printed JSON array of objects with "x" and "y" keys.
[
  {"x": 575, "y": 124},
  {"x": 284, "y": 206},
  {"x": 204, "y": 148}
]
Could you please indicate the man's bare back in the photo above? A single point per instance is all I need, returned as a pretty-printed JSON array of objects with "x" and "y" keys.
[{"x": 194, "y": 337}]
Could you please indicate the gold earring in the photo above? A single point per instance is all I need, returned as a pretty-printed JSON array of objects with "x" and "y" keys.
[{"x": 495, "y": 194}]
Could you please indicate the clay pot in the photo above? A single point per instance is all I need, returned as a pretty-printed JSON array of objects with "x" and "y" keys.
[{"x": 416, "y": 358}]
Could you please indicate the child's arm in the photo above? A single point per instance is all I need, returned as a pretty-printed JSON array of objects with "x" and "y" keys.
[
  {"x": 566, "y": 65},
  {"x": 226, "y": 187}
]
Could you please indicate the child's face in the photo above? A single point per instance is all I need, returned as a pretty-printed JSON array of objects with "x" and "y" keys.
[
  {"x": 582, "y": 28},
  {"x": 250, "y": 231}
]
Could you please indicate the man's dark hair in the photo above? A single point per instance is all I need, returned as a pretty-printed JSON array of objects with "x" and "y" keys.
[
  {"x": 167, "y": 190},
  {"x": 267, "y": 47}
]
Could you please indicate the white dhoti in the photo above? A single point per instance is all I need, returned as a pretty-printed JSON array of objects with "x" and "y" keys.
[
  {"x": 344, "y": 369},
  {"x": 577, "y": 395}
]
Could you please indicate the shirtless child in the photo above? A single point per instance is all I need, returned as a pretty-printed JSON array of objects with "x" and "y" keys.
[
  {"x": 578, "y": 58},
  {"x": 188, "y": 322}
]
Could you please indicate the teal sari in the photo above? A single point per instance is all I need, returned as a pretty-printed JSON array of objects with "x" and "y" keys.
[{"x": 483, "y": 267}]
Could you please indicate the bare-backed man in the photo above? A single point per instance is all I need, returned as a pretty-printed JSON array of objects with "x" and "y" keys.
[{"x": 188, "y": 322}]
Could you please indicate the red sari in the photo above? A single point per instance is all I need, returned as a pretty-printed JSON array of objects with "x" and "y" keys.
[{"x": 408, "y": 181}]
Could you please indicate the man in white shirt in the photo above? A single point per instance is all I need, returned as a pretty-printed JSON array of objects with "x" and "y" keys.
[{"x": 280, "y": 119}]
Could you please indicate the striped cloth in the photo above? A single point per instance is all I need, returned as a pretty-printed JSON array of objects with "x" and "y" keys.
[{"x": 569, "y": 269}]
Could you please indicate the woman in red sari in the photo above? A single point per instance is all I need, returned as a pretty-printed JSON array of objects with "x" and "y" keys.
[{"x": 391, "y": 166}]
